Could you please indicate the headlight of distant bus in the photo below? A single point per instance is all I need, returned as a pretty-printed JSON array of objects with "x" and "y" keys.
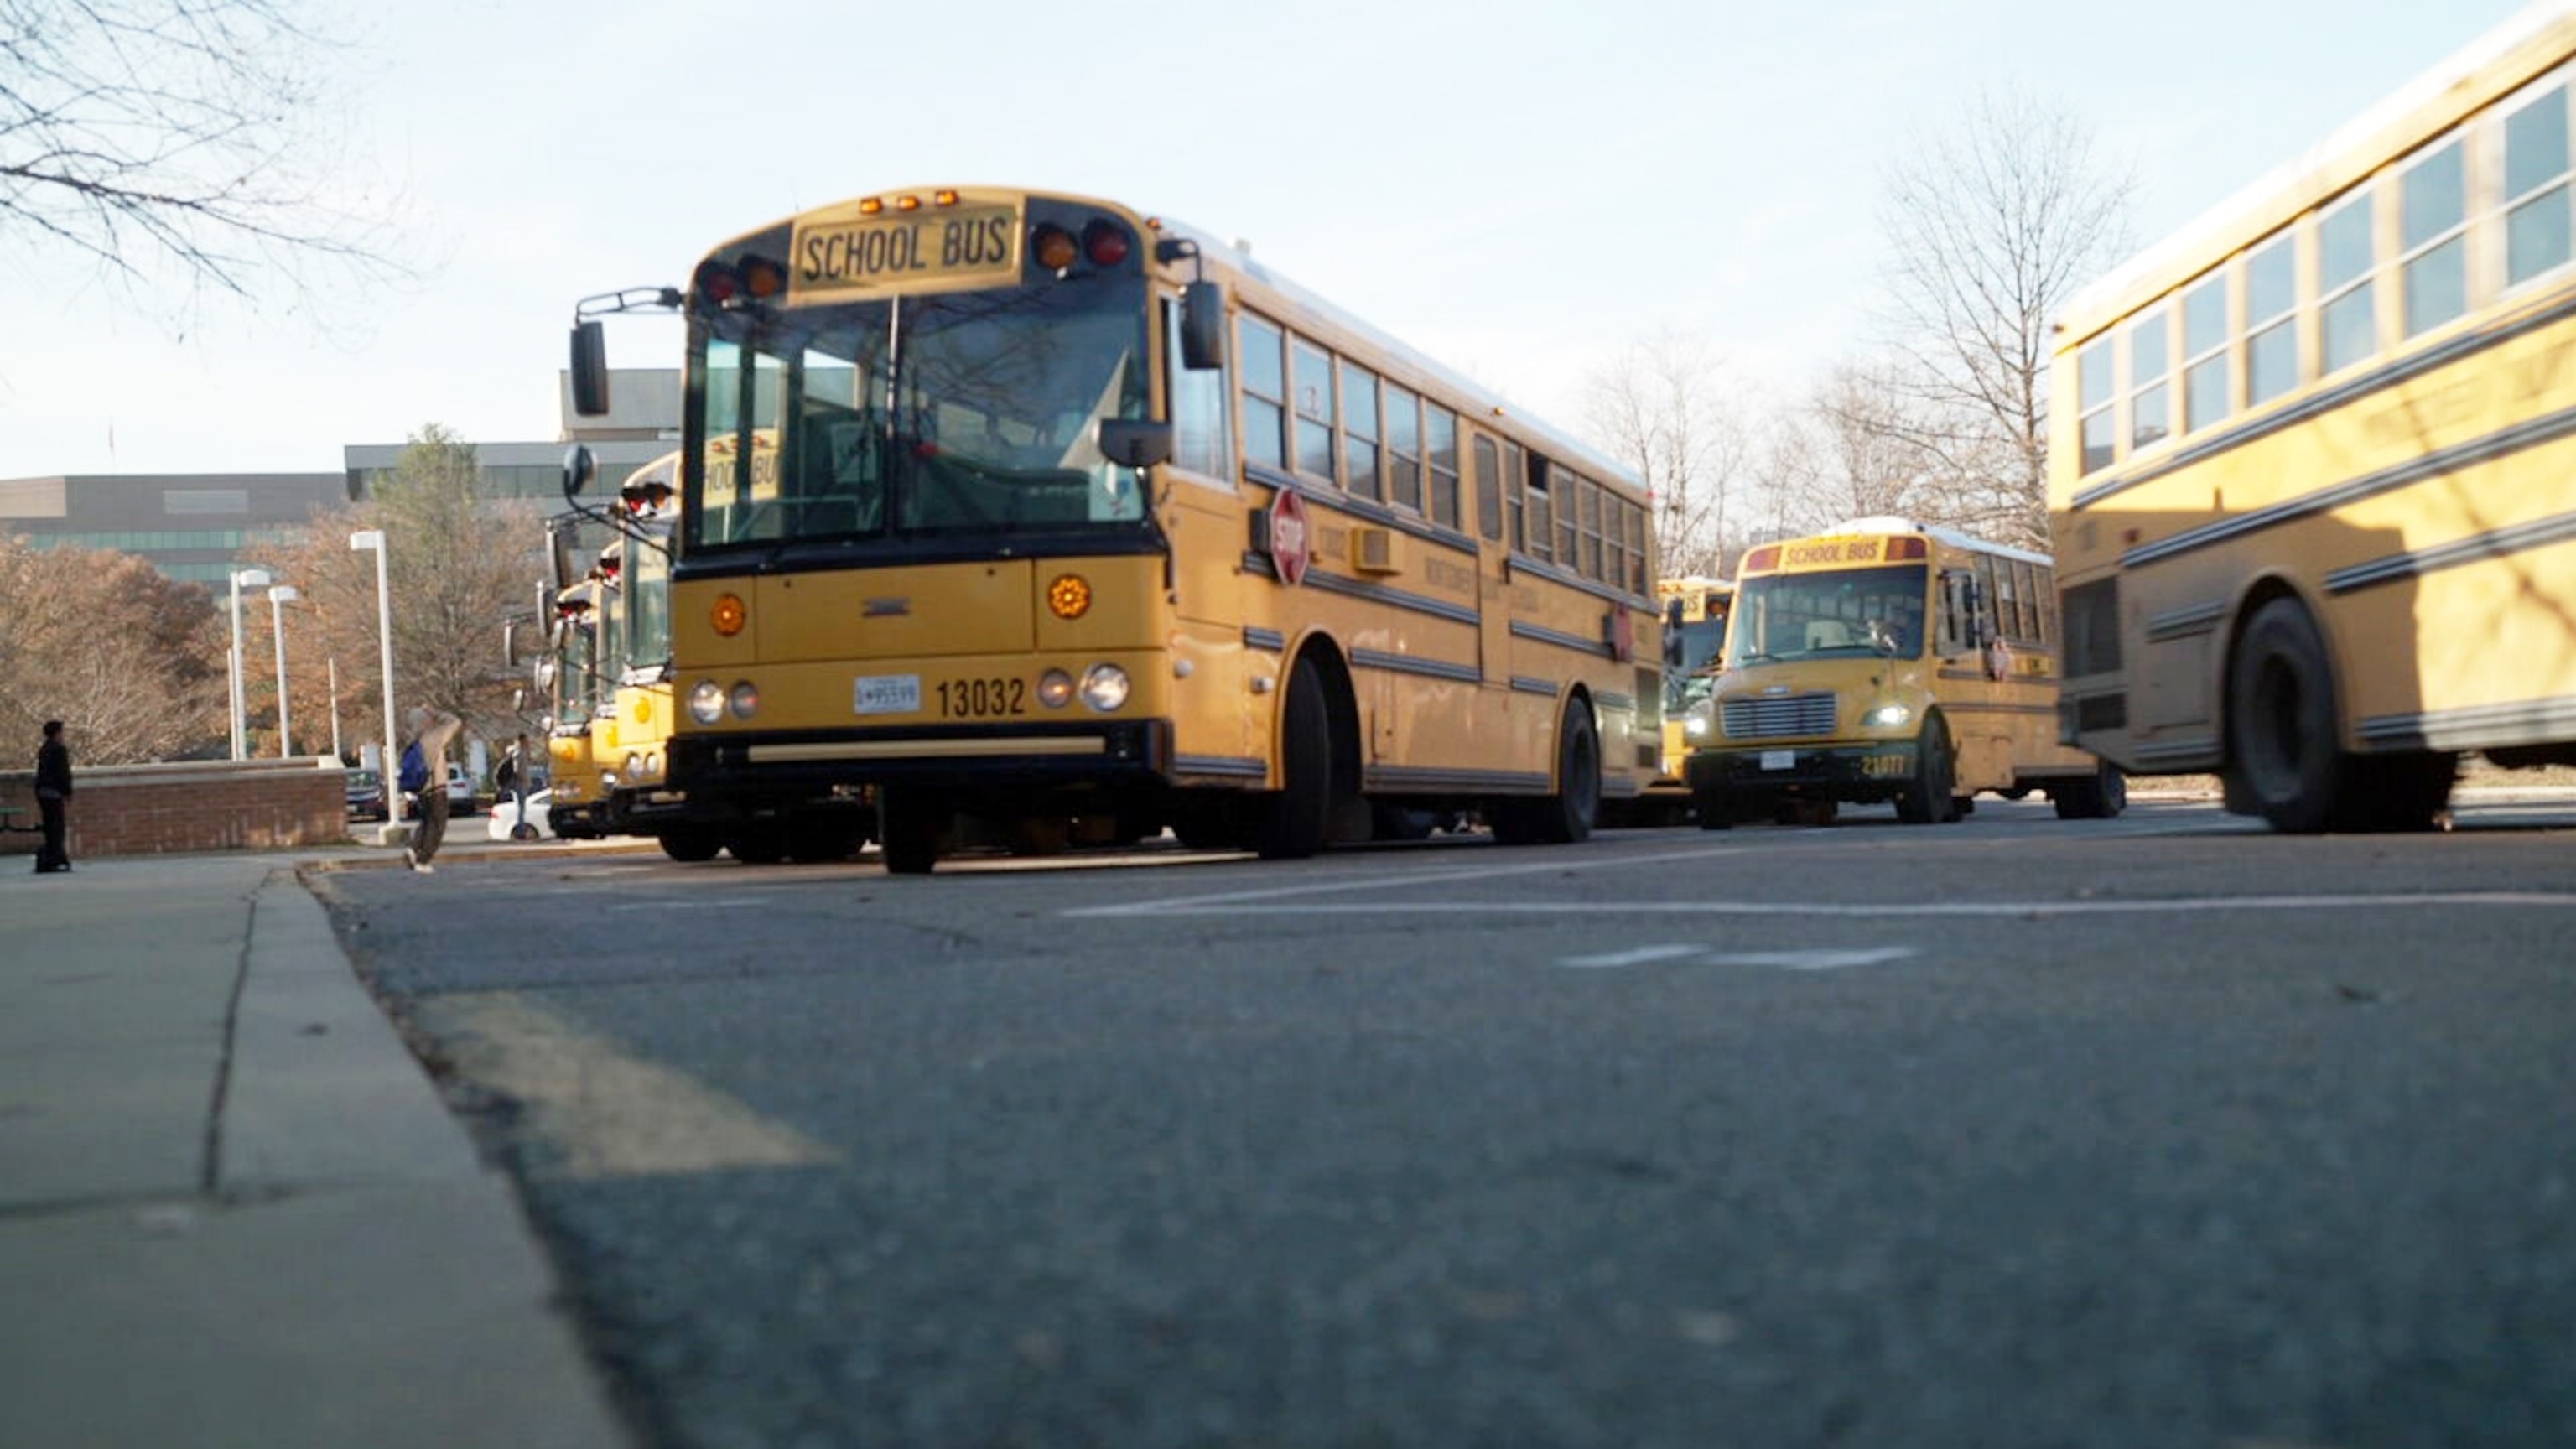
[
  {"x": 1695, "y": 726},
  {"x": 1889, "y": 716},
  {"x": 1055, "y": 689},
  {"x": 744, "y": 701},
  {"x": 1104, "y": 687},
  {"x": 706, "y": 702},
  {"x": 634, "y": 764}
]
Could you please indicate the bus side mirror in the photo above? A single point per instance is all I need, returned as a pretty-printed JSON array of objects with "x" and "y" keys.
[
  {"x": 590, "y": 369},
  {"x": 580, "y": 470},
  {"x": 1134, "y": 443},
  {"x": 1202, "y": 326},
  {"x": 1672, "y": 633}
]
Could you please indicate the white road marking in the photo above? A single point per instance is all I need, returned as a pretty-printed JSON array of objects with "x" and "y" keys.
[
  {"x": 1819, "y": 960},
  {"x": 1237, "y": 902},
  {"x": 1637, "y": 957},
  {"x": 693, "y": 903}
]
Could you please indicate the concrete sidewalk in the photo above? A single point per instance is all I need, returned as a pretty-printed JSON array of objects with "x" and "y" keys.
[{"x": 233, "y": 1209}]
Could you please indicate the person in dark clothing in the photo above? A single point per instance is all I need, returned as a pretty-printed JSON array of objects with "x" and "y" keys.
[{"x": 53, "y": 796}]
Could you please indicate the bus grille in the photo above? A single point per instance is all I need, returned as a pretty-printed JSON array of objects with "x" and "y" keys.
[{"x": 1780, "y": 717}]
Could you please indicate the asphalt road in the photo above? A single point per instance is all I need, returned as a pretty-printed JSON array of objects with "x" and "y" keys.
[{"x": 2161, "y": 1131}]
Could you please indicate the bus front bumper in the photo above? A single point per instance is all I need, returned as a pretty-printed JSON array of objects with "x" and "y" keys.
[
  {"x": 1856, "y": 773},
  {"x": 734, "y": 772}
]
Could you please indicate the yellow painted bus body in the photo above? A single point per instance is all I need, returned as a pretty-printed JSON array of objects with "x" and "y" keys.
[
  {"x": 1436, "y": 637},
  {"x": 1888, "y": 662},
  {"x": 2315, "y": 495},
  {"x": 577, "y": 807}
]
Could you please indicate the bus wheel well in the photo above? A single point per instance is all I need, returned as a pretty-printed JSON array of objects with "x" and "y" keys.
[
  {"x": 1342, "y": 707},
  {"x": 2264, "y": 591}
]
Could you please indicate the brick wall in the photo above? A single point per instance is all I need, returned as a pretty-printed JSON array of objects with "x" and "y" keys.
[{"x": 208, "y": 805}]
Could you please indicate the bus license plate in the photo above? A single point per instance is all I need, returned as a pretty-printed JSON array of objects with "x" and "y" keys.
[
  {"x": 888, "y": 694},
  {"x": 1779, "y": 759}
]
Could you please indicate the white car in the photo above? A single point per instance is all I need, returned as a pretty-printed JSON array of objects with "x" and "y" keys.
[{"x": 503, "y": 823}]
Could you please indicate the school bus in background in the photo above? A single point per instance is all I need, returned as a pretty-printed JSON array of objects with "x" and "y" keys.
[
  {"x": 1034, "y": 510},
  {"x": 1888, "y": 660},
  {"x": 572, "y": 674},
  {"x": 632, "y": 735},
  {"x": 1694, "y": 612},
  {"x": 2315, "y": 502}
]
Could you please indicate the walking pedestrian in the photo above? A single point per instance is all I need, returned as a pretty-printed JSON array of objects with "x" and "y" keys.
[
  {"x": 53, "y": 797},
  {"x": 431, "y": 729}
]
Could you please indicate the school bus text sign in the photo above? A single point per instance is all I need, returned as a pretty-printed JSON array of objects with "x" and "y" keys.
[{"x": 1827, "y": 553}]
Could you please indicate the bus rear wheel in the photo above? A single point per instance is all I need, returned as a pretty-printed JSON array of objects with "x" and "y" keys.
[
  {"x": 2284, "y": 735},
  {"x": 2099, "y": 797},
  {"x": 1928, "y": 799},
  {"x": 1567, "y": 816},
  {"x": 690, "y": 843}
]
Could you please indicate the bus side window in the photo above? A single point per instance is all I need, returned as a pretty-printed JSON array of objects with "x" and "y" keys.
[
  {"x": 1489, "y": 489},
  {"x": 1962, "y": 604}
]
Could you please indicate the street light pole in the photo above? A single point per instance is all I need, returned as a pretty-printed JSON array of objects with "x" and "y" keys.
[
  {"x": 255, "y": 578},
  {"x": 278, "y": 598},
  {"x": 374, "y": 539},
  {"x": 331, "y": 662}
]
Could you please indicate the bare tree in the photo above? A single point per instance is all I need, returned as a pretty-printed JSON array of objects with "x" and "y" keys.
[
  {"x": 1994, "y": 222},
  {"x": 132, "y": 659},
  {"x": 1668, "y": 409},
  {"x": 185, "y": 136},
  {"x": 457, "y": 568},
  {"x": 1854, "y": 450}
]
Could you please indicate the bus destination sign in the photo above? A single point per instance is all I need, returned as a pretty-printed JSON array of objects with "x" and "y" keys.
[
  {"x": 1825, "y": 553},
  {"x": 885, "y": 253}
]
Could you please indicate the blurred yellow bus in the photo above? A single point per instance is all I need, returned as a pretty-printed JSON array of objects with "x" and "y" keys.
[
  {"x": 1694, "y": 613},
  {"x": 1042, "y": 512},
  {"x": 1888, "y": 661},
  {"x": 2313, "y": 479},
  {"x": 573, "y": 677}
]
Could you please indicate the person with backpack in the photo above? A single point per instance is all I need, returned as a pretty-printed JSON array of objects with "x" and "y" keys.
[{"x": 424, "y": 778}]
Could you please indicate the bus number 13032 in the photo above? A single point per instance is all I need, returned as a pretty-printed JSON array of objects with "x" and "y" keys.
[{"x": 982, "y": 698}]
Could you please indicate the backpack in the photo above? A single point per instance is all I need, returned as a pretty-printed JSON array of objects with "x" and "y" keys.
[{"x": 414, "y": 777}]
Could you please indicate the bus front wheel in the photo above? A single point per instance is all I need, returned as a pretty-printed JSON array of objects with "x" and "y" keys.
[
  {"x": 910, "y": 824},
  {"x": 1295, "y": 819},
  {"x": 1928, "y": 799},
  {"x": 2284, "y": 736}
]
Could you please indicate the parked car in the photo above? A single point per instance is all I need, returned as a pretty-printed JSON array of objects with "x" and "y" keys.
[
  {"x": 504, "y": 824},
  {"x": 366, "y": 791}
]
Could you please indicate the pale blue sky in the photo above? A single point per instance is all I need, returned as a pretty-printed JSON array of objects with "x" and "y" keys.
[{"x": 1519, "y": 189}]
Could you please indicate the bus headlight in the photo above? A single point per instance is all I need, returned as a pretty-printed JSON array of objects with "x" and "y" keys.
[
  {"x": 1695, "y": 726},
  {"x": 1055, "y": 689},
  {"x": 706, "y": 701},
  {"x": 634, "y": 764},
  {"x": 1104, "y": 687},
  {"x": 1889, "y": 716},
  {"x": 744, "y": 701}
]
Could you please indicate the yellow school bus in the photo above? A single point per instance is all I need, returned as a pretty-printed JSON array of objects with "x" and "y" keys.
[
  {"x": 1695, "y": 610},
  {"x": 632, "y": 735},
  {"x": 2314, "y": 483},
  {"x": 1067, "y": 521},
  {"x": 573, "y": 673},
  {"x": 1889, "y": 661}
]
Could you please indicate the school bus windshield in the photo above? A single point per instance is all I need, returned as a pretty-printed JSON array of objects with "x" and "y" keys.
[
  {"x": 964, "y": 413},
  {"x": 1831, "y": 613}
]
